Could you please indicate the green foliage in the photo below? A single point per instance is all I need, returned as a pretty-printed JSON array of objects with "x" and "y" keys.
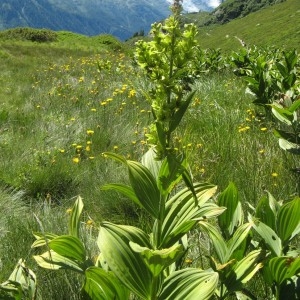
[
  {"x": 30, "y": 34},
  {"x": 235, "y": 263},
  {"x": 21, "y": 284},
  {"x": 107, "y": 39},
  {"x": 282, "y": 263},
  {"x": 269, "y": 74}
]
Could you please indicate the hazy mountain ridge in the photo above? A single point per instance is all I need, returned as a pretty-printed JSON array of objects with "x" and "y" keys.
[{"x": 121, "y": 18}]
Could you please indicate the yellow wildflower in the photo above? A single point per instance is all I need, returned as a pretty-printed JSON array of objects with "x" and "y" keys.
[
  {"x": 76, "y": 160},
  {"x": 90, "y": 132}
]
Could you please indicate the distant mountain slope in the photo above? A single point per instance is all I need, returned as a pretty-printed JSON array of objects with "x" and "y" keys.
[
  {"x": 90, "y": 17},
  {"x": 277, "y": 25},
  {"x": 121, "y": 18}
]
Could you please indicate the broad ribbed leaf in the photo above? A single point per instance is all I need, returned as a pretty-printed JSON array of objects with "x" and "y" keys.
[
  {"x": 151, "y": 163},
  {"x": 143, "y": 184},
  {"x": 217, "y": 240},
  {"x": 126, "y": 264},
  {"x": 283, "y": 268},
  {"x": 282, "y": 69},
  {"x": 238, "y": 237},
  {"x": 189, "y": 284},
  {"x": 268, "y": 235},
  {"x": 182, "y": 215},
  {"x": 290, "y": 137},
  {"x": 145, "y": 187},
  {"x": 170, "y": 173},
  {"x": 290, "y": 147},
  {"x": 295, "y": 105},
  {"x": 266, "y": 211},
  {"x": 53, "y": 261},
  {"x": 68, "y": 246},
  {"x": 288, "y": 220},
  {"x": 282, "y": 114},
  {"x": 74, "y": 221},
  {"x": 42, "y": 239},
  {"x": 243, "y": 271},
  {"x": 20, "y": 280},
  {"x": 158, "y": 260},
  {"x": 102, "y": 285},
  {"x": 123, "y": 189},
  {"x": 115, "y": 156},
  {"x": 232, "y": 217}
]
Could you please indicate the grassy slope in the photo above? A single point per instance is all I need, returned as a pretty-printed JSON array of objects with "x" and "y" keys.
[{"x": 277, "y": 25}]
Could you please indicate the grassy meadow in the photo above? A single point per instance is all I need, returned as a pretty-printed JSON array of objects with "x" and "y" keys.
[
  {"x": 65, "y": 103},
  {"x": 274, "y": 25}
]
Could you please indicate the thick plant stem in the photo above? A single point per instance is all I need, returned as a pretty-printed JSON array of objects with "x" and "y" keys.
[
  {"x": 159, "y": 222},
  {"x": 155, "y": 287}
]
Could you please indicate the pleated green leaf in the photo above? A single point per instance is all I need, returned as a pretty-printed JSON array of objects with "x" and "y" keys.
[
  {"x": 243, "y": 271},
  {"x": 21, "y": 283},
  {"x": 189, "y": 284},
  {"x": 170, "y": 173},
  {"x": 181, "y": 214},
  {"x": 42, "y": 239},
  {"x": 142, "y": 183},
  {"x": 217, "y": 240},
  {"x": 158, "y": 260},
  {"x": 295, "y": 105},
  {"x": 237, "y": 239},
  {"x": 74, "y": 222},
  {"x": 116, "y": 157},
  {"x": 102, "y": 285},
  {"x": 269, "y": 236},
  {"x": 123, "y": 189},
  {"x": 68, "y": 246},
  {"x": 145, "y": 187},
  {"x": 282, "y": 114},
  {"x": 53, "y": 261},
  {"x": 151, "y": 163},
  {"x": 283, "y": 268},
  {"x": 288, "y": 146},
  {"x": 233, "y": 215},
  {"x": 127, "y": 265},
  {"x": 288, "y": 220},
  {"x": 266, "y": 210}
]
